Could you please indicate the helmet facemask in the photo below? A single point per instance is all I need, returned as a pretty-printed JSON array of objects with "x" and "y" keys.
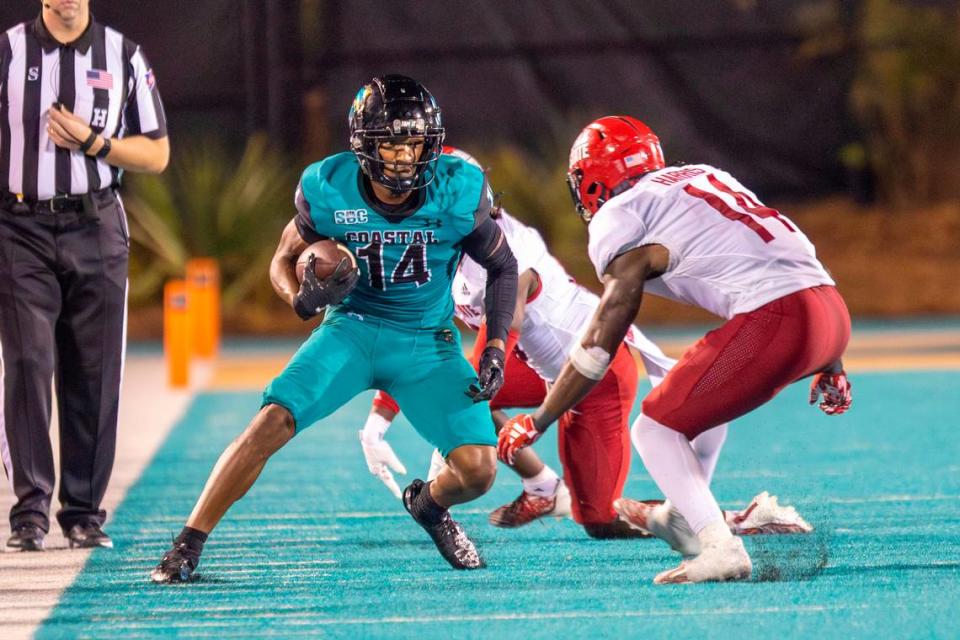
[
  {"x": 573, "y": 181},
  {"x": 597, "y": 192},
  {"x": 366, "y": 146}
]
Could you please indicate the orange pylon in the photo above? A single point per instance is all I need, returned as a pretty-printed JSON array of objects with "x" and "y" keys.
[
  {"x": 176, "y": 332},
  {"x": 203, "y": 289}
]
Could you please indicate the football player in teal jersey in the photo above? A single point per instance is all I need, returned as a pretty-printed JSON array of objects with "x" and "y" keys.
[{"x": 408, "y": 214}]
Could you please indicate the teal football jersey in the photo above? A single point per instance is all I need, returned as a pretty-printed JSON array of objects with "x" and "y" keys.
[{"x": 407, "y": 262}]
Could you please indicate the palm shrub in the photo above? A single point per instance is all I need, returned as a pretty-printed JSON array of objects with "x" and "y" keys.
[{"x": 211, "y": 203}]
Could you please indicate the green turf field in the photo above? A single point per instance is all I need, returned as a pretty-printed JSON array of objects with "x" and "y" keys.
[{"x": 320, "y": 548}]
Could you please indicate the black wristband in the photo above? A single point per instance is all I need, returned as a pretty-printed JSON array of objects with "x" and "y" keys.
[
  {"x": 85, "y": 146},
  {"x": 302, "y": 310},
  {"x": 105, "y": 149}
]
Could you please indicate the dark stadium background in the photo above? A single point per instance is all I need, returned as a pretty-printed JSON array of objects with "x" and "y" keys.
[
  {"x": 785, "y": 95},
  {"x": 723, "y": 79}
]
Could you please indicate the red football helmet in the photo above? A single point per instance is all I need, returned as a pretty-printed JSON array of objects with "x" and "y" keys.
[{"x": 607, "y": 158}]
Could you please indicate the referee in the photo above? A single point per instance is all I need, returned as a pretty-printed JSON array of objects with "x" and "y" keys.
[{"x": 78, "y": 105}]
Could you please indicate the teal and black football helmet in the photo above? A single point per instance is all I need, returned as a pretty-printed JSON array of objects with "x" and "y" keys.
[{"x": 395, "y": 107}]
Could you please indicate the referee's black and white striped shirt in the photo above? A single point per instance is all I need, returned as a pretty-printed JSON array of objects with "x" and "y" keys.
[{"x": 102, "y": 77}]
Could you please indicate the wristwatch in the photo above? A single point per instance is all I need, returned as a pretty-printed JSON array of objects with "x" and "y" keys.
[{"x": 105, "y": 149}]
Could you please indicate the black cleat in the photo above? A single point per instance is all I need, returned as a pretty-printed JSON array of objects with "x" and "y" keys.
[
  {"x": 177, "y": 564},
  {"x": 88, "y": 535},
  {"x": 451, "y": 540},
  {"x": 26, "y": 537}
]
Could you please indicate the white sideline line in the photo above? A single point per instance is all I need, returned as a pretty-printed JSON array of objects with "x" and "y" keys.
[
  {"x": 136, "y": 567},
  {"x": 361, "y": 515},
  {"x": 178, "y": 518},
  {"x": 885, "y": 498},
  {"x": 287, "y": 564},
  {"x": 367, "y": 515},
  {"x": 756, "y": 473},
  {"x": 572, "y": 615},
  {"x": 151, "y": 536},
  {"x": 244, "y": 545},
  {"x": 151, "y": 533},
  {"x": 288, "y": 572},
  {"x": 297, "y": 616},
  {"x": 279, "y": 516}
]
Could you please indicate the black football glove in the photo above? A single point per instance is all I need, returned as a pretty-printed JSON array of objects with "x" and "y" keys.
[
  {"x": 490, "y": 376},
  {"x": 315, "y": 294}
]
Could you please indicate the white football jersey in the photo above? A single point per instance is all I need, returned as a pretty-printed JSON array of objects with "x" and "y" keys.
[
  {"x": 555, "y": 316},
  {"x": 729, "y": 253}
]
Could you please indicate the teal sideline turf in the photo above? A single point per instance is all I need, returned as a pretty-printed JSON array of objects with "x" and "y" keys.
[{"x": 320, "y": 548}]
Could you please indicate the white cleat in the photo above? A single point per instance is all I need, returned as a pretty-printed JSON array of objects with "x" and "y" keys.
[
  {"x": 765, "y": 516},
  {"x": 562, "y": 507},
  {"x": 719, "y": 561},
  {"x": 660, "y": 520}
]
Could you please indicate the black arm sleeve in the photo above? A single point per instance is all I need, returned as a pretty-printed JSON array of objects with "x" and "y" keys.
[
  {"x": 5, "y": 55},
  {"x": 304, "y": 221},
  {"x": 488, "y": 247}
]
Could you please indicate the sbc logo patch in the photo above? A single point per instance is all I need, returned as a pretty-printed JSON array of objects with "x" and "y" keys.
[{"x": 350, "y": 216}]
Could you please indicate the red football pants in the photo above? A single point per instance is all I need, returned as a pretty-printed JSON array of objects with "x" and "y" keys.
[
  {"x": 522, "y": 386},
  {"x": 594, "y": 438},
  {"x": 595, "y": 442},
  {"x": 749, "y": 359}
]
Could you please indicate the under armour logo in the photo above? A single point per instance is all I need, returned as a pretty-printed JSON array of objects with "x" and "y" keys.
[
  {"x": 33, "y": 73},
  {"x": 433, "y": 222},
  {"x": 99, "y": 119}
]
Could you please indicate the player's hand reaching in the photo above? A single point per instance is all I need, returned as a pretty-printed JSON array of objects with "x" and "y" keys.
[
  {"x": 381, "y": 459},
  {"x": 518, "y": 432},
  {"x": 315, "y": 294},
  {"x": 835, "y": 388},
  {"x": 490, "y": 376}
]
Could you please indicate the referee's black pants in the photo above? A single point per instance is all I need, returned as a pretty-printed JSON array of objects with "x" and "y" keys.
[{"x": 63, "y": 282}]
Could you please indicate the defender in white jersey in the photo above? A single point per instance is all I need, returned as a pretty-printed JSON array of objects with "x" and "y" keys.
[
  {"x": 552, "y": 313},
  {"x": 694, "y": 234},
  {"x": 594, "y": 440}
]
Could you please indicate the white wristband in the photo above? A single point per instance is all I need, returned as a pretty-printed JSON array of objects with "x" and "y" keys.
[{"x": 592, "y": 362}]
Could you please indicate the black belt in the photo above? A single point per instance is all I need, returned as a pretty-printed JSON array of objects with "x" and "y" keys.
[{"x": 57, "y": 204}]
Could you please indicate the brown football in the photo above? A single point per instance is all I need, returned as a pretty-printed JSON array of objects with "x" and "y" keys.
[{"x": 328, "y": 253}]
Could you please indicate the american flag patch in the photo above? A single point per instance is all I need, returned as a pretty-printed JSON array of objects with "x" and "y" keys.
[
  {"x": 99, "y": 79},
  {"x": 150, "y": 79},
  {"x": 635, "y": 159}
]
